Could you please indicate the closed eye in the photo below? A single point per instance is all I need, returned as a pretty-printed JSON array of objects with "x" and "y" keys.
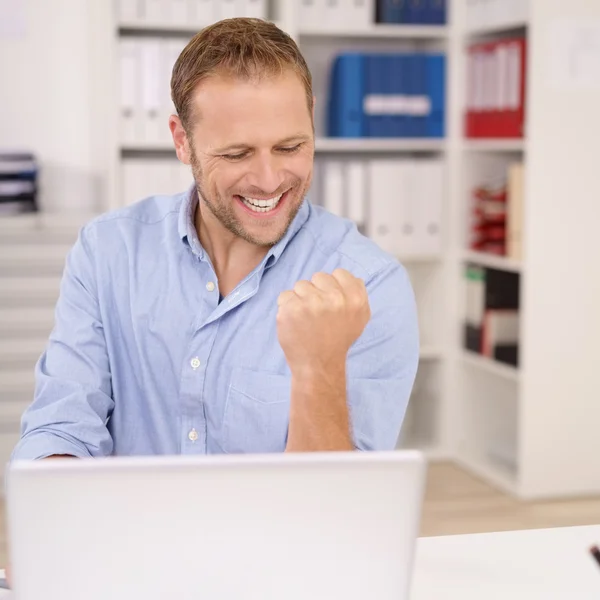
[
  {"x": 291, "y": 149},
  {"x": 235, "y": 156}
]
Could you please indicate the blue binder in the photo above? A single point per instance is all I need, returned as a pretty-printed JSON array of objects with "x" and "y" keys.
[
  {"x": 376, "y": 84},
  {"x": 389, "y": 11},
  {"x": 419, "y": 74},
  {"x": 436, "y": 12},
  {"x": 436, "y": 84},
  {"x": 345, "y": 116},
  {"x": 397, "y": 88}
]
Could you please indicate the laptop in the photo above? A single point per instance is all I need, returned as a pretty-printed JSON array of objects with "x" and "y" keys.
[{"x": 306, "y": 526}]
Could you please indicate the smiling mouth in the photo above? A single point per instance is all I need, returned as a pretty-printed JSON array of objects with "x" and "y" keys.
[{"x": 261, "y": 205}]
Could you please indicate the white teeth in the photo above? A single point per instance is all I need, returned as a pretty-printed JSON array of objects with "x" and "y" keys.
[{"x": 261, "y": 205}]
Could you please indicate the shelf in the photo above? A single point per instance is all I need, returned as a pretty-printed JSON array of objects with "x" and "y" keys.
[
  {"x": 433, "y": 32},
  {"x": 504, "y": 28},
  {"x": 491, "y": 366},
  {"x": 430, "y": 353},
  {"x": 161, "y": 29},
  {"x": 324, "y": 144},
  {"x": 497, "y": 475},
  {"x": 493, "y": 261},
  {"x": 333, "y": 145},
  {"x": 494, "y": 145}
]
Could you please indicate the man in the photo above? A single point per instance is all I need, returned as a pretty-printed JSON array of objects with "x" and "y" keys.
[{"x": 234, "y": 317}]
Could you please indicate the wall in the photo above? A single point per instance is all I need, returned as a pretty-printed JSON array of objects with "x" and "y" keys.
[{"x": 46, "y": 105}]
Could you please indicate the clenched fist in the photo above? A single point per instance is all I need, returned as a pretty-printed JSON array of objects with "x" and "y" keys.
[{"x": 320, "y": 319}]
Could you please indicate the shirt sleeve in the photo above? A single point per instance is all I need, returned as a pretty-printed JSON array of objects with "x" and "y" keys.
[
  {"x": 382, "y": 364},
  {"x": 73, "y": 395}
]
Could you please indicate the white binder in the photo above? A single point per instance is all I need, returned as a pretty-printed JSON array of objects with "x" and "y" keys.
[
  {"x": 178, "y": 12},
  {"x": 356, "y": 189},
  {"x": 129, "y": 91},
  {"x": 203, "y": 12},
  {"x": 154, "y": 12},
  {"x": 333, "y": 187},
  {"x": 151, "y": 82},
  {"x": 227, "y": 9},
  {"x": 128, "y": 11},
  {"x": 256, "y": 9}
]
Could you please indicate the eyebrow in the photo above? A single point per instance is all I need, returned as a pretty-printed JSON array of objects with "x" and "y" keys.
[{"x": 299, "y": 137}]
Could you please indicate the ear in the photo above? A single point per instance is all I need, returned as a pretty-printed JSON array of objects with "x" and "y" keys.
[{"x": 182, "y": 145}]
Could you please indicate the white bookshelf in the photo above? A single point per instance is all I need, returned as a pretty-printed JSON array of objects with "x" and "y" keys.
[
  {"x": 545, "y": 413},
  {"x": 494, "y": 145},
  {"x": 493, "y": 261},
  {"x": 489, "y": 365},
  {"x": 531, "y": 430}
]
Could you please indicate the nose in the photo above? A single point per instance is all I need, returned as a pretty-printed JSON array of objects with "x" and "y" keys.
[{"x": 265, "y": 173}]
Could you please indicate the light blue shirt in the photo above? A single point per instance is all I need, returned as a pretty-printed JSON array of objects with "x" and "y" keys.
[{"x": 144, "y": 359}]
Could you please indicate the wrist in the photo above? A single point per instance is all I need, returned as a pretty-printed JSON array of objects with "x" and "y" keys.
[{"x": 319, "y": 371}]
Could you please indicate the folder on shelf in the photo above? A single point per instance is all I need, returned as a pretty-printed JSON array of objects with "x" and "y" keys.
[
  {"x": 377, "y": 91},
  {"x": 130, "y": 120},
  {"x": 152, "y": 85},
  {"x": 390, "y": 218},
  {"x": 356, "y": 182},
  {"x": 333, "y": 187},
  {"x": 416, "y": 12},
  {"x": 346, "y": 92},
  {"x": 227, "y": 9},
  {"x": 154, "y": 12},
  {"x": 496, "y": 89},
  {"x": 427, "y": 196},
  {"x": 128, "y": 11},
  {"x": 312, "y": 15},
  {"x": 500, "y": 335},
  {"x": 203, "y": 12},
  {"x": 474, "y": 307},
  {"x": 436, "y": 90},
  {"x": 253, "y": 8},
  {"x": 436, "y": 12},
  {"x": 514, "y": 220},
  {"x": 178, "y": 12},
  {"x": 389, "y": 11},
  {"x": 357, "y": 14}
]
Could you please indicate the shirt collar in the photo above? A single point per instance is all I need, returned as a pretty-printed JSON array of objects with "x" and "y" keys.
[{"x": 187, "y": 227}]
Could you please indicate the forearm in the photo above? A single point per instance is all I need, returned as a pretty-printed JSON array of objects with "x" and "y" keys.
[{"x": 319, "y": 417}]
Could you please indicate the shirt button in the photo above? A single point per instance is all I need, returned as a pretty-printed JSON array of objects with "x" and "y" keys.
[
  {"x": 195, "y": 362},
  {"x": 210, "y": 286},
  {"x": 193, "y": 435}
]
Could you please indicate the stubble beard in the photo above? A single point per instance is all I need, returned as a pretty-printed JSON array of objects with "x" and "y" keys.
[{"x": 224, "y": 212}]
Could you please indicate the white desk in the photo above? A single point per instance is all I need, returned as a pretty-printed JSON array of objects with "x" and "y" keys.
[
  {"x": 546, "y": 564},
  {"x": 543, "y": 564}
]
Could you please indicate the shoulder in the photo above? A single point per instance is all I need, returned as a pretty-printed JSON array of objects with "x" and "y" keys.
[
  {"x": 344, "y": 246},
  {"x": 132, "y": 220}
]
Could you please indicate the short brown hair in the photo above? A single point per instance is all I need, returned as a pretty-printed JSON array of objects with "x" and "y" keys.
[{"x": 242, "y": 47}]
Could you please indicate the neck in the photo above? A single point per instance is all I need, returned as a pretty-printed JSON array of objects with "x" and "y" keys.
[{"x": 232, "y": 257}]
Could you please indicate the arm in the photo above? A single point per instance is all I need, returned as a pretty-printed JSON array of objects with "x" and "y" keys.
[
  {"x": 353, "y": 353},
  {"x": 72, "y": 399}
]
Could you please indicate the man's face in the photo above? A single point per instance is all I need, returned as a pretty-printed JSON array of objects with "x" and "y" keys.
[{"x": 251, "y": 151}]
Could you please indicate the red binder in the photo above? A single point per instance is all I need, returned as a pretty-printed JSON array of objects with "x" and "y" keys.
[{"x": 496, "y": 79}]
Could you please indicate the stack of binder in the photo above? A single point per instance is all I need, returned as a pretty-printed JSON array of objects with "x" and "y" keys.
[
  {"x": 496, "y": 79},
  {"x": 387, "y": 95},
  {"x": 325, "y": 16},
  {"x": 492, "y": 324},
  {"x": 186, "y": 13},
  {"x": 18, "y": 182},
  {"x": 398, "y": 203},
  {"x": 146, "y": 65},
  {"x": 411, "y": 12}
]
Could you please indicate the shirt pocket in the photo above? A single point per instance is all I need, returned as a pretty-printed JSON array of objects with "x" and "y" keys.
[{"x": 257, "y": 412}]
